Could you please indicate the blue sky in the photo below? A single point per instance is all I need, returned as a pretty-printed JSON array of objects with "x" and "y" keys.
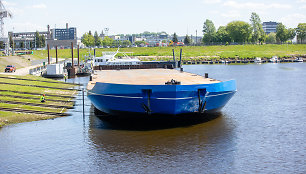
[{"x": 135, "y": 16}]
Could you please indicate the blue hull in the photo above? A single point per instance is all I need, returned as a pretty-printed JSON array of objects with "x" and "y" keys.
[{"x": 116, "y": 99}]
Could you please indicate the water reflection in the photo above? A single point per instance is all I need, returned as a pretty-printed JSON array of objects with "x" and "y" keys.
[{"x": 181, "y": 142}]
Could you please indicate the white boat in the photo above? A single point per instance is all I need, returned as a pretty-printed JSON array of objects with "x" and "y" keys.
[
  {"x": 257, "y": 60},
  {"x": 299, "y": 59},
  {"x": 274, "y": 59},
  {"x": 108, "y": 58}
]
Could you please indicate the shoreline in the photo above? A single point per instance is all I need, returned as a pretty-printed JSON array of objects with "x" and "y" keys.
[{"x": 20, "y": 98}]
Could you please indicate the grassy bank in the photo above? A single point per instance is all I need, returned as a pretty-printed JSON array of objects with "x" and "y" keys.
[
  {"x": 194, "y": 52},
  {"x": 28, "y": 98}
]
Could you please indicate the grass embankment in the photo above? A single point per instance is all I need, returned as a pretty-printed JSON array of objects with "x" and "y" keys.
[
  {"x": 193, "y": 52},
  {"x": 29, "y": 96}
]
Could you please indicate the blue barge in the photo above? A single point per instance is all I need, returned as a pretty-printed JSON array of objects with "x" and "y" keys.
[{"x": 157, "y": 91}]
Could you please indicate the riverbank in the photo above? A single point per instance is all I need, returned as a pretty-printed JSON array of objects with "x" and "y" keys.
[
  {"x": 20, "y": 98},
  {"x": 190, "y": 53}
]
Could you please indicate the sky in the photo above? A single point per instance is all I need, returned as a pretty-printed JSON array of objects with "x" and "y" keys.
[{"x": 136, "y": 16}]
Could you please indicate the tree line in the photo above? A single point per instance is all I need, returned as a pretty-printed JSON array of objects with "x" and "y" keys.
[
  {"x": 90, "y": 40},
  {"x": 243, "y": 32}
]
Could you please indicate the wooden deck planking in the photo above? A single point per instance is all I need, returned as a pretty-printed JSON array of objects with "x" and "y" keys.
[{"x": 147, "y": 77}]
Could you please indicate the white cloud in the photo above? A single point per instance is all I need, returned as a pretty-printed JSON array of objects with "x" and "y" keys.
[
  {"x": 5, "y": 3},
  {"x": 40, "y": 6},
  {"x": 303, "y": 7},
  {"x": 231, "y": 14},
  {"x": 301, "y": 1},
  {"x": 252, "y": 5},
  {"x": 26, "y": 26},
  {"x": 293, "y": 20},
  {"x": 211, "y": 1}
]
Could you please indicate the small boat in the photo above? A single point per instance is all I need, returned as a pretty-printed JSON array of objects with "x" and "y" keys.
[
  {"x": 84, "y": 70},
  {"x": 299, "y": 59},
  {"x": 274, "y": 59},
  {"x": 157, "y": 92},
  {"x": 257, "y": 60},
  {"x": 108, "y": 58}
]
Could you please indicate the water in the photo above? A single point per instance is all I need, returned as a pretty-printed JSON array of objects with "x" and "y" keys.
[{"x": 261, "y": 130}]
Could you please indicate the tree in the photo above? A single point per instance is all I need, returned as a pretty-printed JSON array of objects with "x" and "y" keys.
[
  {"x": 271, "y": 38},
  {"x": 98, "y": 40},
  {"x": 281, "y": 33},
  {"x": 88, "y": 40},
  {"x": 37, "y": 40},
  {"x": 209, "y": 31},
  {"x": 140, "y": 43},
  {"x": 258, "y": 33},
  {"x": 11, "y": 40},
  {"x": 187, "y": 40},
  {"x": 239, "y": 31},
  {"x": 126, "y": 43},
  {"x": 108, "y": 41},
  {"x": 291, "y": 34},
  {"x": 42, "y": 41},
  {"x": 222, "y": 35},
  {"x": 174, "y": 39},
  {"x": 301, "y": 32}
]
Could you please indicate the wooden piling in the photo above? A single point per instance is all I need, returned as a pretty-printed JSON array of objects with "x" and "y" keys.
[
  {"x": 78, "y": 55},
  {"x": 180, "y": 65},
  {"x": 72, "y": 54},
  {"x": 173, "y": 55},
  {"x": 56, "y": 54},
  {"x": 48, "y": 53}
]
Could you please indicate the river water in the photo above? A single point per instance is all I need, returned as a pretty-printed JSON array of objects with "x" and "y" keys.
[{"x": 261, "y": 130}]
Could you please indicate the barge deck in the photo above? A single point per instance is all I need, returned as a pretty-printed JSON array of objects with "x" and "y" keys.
[{"x": 147, "y": 77}]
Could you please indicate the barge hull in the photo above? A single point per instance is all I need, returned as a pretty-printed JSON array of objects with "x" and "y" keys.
[{"x": 116, "y": 99}]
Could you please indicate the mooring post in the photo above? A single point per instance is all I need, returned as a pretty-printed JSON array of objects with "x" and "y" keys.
[
  {"x": 72, "y": 54},
  {"x": 78, "y": 55},
  {"x": 173, "y": 55},
  {"x": 48, "y": 47},
  {"x": 180, "y": 65},
  {"x": 56, "y": 54}
]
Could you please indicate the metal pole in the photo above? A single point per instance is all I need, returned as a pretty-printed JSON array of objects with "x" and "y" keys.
[{"x": 56, "y": 54}]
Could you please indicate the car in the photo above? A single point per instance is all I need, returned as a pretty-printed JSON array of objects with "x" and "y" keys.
[{"x": 10, "y": 68}]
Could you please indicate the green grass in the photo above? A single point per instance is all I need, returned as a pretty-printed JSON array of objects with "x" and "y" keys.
[
  {"x": 59, "y": 99},
  {"x": 7, "y": 118},
  {"x": 193, "y": 52},
  {"x": 36, "y": 101},
  {"x": 36, "y": 89},
  {"x": 36, "y": 83},
  {"x": 12, "y": 117}
]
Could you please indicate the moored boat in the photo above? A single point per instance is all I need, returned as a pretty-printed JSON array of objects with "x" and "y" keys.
[
  {"x": 157, "y": 91},
  {"x": 108, "y": 58},
  {"x": 299, "y": 59},
  {"x": 274, "y": 59},
  {"x": 257, "y": 60}
]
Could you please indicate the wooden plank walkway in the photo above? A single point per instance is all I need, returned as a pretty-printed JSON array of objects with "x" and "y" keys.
[{"x": 147, "y": 77}]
